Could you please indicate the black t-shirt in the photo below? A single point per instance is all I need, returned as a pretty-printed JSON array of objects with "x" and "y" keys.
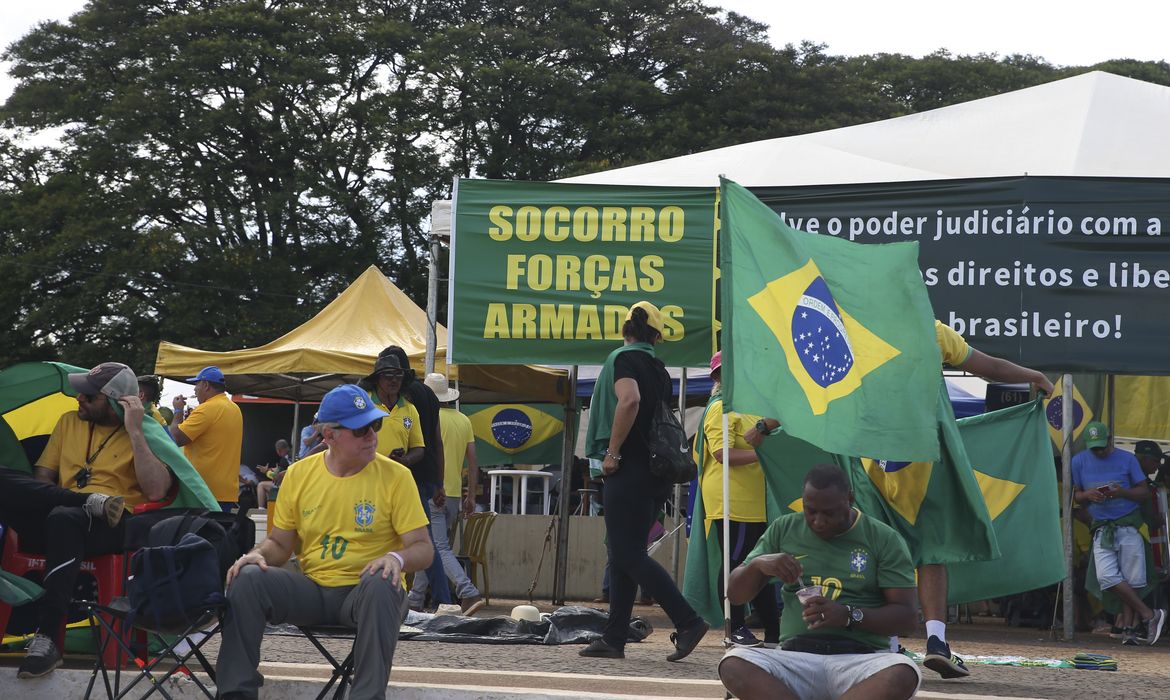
[
  {"x": 427, "y": 405},
  {"x": 653, "y": 385}
]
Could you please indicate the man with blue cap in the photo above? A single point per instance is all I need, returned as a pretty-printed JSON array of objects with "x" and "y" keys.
[
  {"x": 212, "y": 435},
  {"x": 354, "y": 520}
]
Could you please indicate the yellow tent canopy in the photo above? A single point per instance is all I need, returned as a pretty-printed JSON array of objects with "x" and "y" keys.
[{"x": 342, "y": 341}]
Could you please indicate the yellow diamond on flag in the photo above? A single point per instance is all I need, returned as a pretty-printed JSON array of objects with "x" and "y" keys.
[
  {"x": 902, "y": 484},
  {"x": 828, "y": 351},
  {"x": 998, "y": 494},
  {"x": 797, "y": 505}
]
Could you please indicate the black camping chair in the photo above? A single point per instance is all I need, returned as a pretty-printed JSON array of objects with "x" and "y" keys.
[{"x": 342, "y": 672}]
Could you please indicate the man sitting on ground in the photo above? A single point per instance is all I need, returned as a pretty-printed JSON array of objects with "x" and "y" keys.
[
  {"x": 95, "y": 465},
  {"x": 355, "y": 521},
  {"x": 837, "y": 641}
]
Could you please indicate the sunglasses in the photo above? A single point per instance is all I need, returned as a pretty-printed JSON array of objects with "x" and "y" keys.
[
  {"x": 89, "y": 398},
  {"x": 365, "y": 429},
  {"x": 392, "y": 374}
]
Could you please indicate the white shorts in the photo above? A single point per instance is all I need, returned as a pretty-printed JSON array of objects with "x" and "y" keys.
[
  {"x": 1126, "y": 561},
  {"x": 820, "y": 676}
]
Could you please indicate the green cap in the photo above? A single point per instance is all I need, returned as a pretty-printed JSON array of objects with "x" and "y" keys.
[{"x": 1096, "y": 435}]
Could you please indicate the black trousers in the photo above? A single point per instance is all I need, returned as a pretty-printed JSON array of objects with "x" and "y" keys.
[
  {"x": 743, "y": 538},
  {"x": 632, "y": 500},
  {"x": 51, "y": 520}
]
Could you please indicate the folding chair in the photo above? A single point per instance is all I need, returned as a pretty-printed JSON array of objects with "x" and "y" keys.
[
  {"x": 343, "y": 671},
  {"x": 118, "y": 615}
]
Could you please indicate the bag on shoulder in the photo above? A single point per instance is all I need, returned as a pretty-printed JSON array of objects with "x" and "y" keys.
[
  {"x": 670, "y": 451},
  {"x": 170, "y": 583}
]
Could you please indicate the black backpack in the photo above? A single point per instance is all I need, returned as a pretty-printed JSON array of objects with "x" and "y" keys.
[
  {"x": 666, "y": 441},
  {"x": 178, "y": 573}
]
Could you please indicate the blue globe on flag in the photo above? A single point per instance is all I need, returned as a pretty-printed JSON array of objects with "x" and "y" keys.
[
  {"x": 891, "y": 467},
  {"x": 1055, "y": 412},
  {"x": 818, "y": 333},
  {"x": 511, "y": 428}
]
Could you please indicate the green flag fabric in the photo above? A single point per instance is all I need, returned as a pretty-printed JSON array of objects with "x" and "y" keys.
[
  {"x": 514, "y": 433},
  {"x": 1012, "y": 460},
  {"x": 835, "y": 339},
  {"x": 936, "y": 506}
]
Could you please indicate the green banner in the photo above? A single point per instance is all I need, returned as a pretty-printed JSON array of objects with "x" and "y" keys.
[
  {"x": 545, "y": 272},
  {"x": 517, "y": 433}
]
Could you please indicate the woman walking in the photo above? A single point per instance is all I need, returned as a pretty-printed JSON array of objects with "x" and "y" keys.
[{"x": 628, "y": 389}]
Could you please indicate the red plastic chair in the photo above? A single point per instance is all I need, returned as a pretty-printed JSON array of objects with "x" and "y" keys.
[{"x": 107, "y": 569}]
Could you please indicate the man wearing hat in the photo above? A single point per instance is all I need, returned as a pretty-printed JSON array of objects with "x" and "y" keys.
[
  {"x": 212, "y": 435},
  {"x": 1112, "y": 483},
  {"x": 1153, "y": 461},
  {"x": 444, "y": 507},
  {"x": 353, "y": 518},
  {"x": 95, "y": 465}
]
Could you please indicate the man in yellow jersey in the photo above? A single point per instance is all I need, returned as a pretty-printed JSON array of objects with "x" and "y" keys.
[
  {"x": 149, "y": 391},
  {"x": 354, "y": 520},
  {"x": 212, "y": 435},
  {"x": 444, "y": 507},
  {"x": 95, "y": 465}
]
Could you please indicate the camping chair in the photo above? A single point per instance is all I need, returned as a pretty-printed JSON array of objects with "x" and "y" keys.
[
  {"x": 342, "y": 672},
  {"x": 473, "y": 549},
  {"x": 117, "y": 615}
]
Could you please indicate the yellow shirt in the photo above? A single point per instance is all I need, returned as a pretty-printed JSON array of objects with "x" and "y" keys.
[
  {"x": 344, "y": 523},
  {"x": 457, "y": 435},
  {"x": 746, "y": 481},
  {"x": 953, "y": 347},
  {"x": 216, "y": 431},
  {"x": 401, "y": 428},
  {"x": 74, "y": 441},
  {"x": 153, "y": 412}
]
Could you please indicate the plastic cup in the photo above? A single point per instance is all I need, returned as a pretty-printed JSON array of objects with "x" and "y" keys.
[{"x": 809, "y": 592}]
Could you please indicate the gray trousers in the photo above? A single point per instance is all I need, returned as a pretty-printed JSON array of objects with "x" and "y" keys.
[{"x": 374, "y": 607}]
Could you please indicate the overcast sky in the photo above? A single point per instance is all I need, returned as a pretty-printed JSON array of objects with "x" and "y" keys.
[{"x": 1063, "y": 32}]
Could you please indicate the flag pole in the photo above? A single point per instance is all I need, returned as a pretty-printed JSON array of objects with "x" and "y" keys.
[
  {"x": 1066, "y": 429},
  {"x": 676, "y": 550},
  {"x": 726, "y": 525},
  {"x": 561, "y": 566}
]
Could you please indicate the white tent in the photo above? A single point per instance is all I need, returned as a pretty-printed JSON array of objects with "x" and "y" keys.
[{"x": 1094, "y": 125}]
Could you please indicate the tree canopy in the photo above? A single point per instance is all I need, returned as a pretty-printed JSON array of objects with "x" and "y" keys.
[{"x": 219, "y": 170}]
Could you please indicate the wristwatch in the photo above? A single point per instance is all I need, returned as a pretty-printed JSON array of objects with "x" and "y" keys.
[
  {"x": 761, "y": 427},
  {"x": 855, "y": 616}
]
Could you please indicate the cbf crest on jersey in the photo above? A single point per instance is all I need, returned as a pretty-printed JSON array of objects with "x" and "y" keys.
[
  {"x": 858, "y": 561},
  {"x": 407, "y": 422},
  {"x": 363, "y": 514}
]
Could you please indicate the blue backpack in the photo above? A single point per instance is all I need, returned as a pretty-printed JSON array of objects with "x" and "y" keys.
[{"x": 177, "y": 574}]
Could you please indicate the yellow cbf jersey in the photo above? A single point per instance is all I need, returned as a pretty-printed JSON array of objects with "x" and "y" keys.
[
  {"x": 344, "y": 523},
  {"x": 746, "y": 495}
]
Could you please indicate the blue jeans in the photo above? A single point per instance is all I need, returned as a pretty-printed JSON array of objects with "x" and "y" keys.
[
  {"x": 440, "y": 594},
  {"x": 464, "y": 588}
]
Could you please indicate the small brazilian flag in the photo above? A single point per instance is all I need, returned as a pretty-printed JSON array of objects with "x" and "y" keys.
[
  {"x": 517, "y": 433},
  {"x": 835, "y": 339},
  {"x": 1054, "y": 412}
]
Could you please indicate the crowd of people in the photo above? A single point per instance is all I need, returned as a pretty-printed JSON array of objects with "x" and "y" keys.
[{"x": 378, "y": 479}]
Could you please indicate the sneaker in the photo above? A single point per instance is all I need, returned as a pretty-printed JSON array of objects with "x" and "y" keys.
[
  {"x": 107, "y": 508},
  {"x": 940, "y": 659},
  {"x": 1154, "y": 626},
  {"x": 601, "y": 649},
  {"x": 1129, "y": 637},
  {"x": 743, "y": 637},
  {"x": 1116, "y": 632},
  {"x": 603, "y": 598},
  {"x": 471, "y": 605},
  {"x": 686, "y": 640},
  {"x": 42, "y": 657}
]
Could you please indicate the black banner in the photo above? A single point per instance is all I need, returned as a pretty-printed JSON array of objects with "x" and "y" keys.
[{"x": 1059, "y": 274}]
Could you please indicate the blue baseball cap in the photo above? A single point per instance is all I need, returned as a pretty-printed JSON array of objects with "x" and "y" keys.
[
  {"x": 350, "y": 406},
  {"x": 210, "y": 373}
]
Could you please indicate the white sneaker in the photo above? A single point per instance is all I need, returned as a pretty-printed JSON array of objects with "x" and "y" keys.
[
  {"x": 1154, "y": 626},
  {"x": 107, "y": 508}
]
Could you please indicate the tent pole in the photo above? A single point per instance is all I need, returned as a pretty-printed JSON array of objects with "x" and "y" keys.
[
  {"x": 726, "y": 525},
  {"x": 432, "y": 304},
  {"x": 676, "y": 549},
  {"x": 1066, "y": 429},
  {"x": 295, "y": 439},
  {"x": 561, "y": 570}
]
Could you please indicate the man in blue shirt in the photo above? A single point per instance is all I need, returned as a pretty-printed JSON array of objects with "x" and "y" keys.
[{"x": 1111, "y": 482}]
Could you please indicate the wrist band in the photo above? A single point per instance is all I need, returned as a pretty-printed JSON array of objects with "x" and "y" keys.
[
  {"x": 616, "y": 457},
  {"x": 401, "y": 561}
]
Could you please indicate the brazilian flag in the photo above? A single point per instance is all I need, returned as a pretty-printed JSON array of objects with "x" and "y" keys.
[
  {"x": 834, "y": 339},
  {"x": 1013, "y": 464},
  {"x": 517, "y": 433}
]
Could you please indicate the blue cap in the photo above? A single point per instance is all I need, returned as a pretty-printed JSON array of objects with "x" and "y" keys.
[
  {"x": 350, "y": 406},
  {"x": 208, "y": 374}
]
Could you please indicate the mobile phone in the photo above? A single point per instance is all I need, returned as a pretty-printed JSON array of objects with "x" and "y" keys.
[{"x": 1104, "y": 489}]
